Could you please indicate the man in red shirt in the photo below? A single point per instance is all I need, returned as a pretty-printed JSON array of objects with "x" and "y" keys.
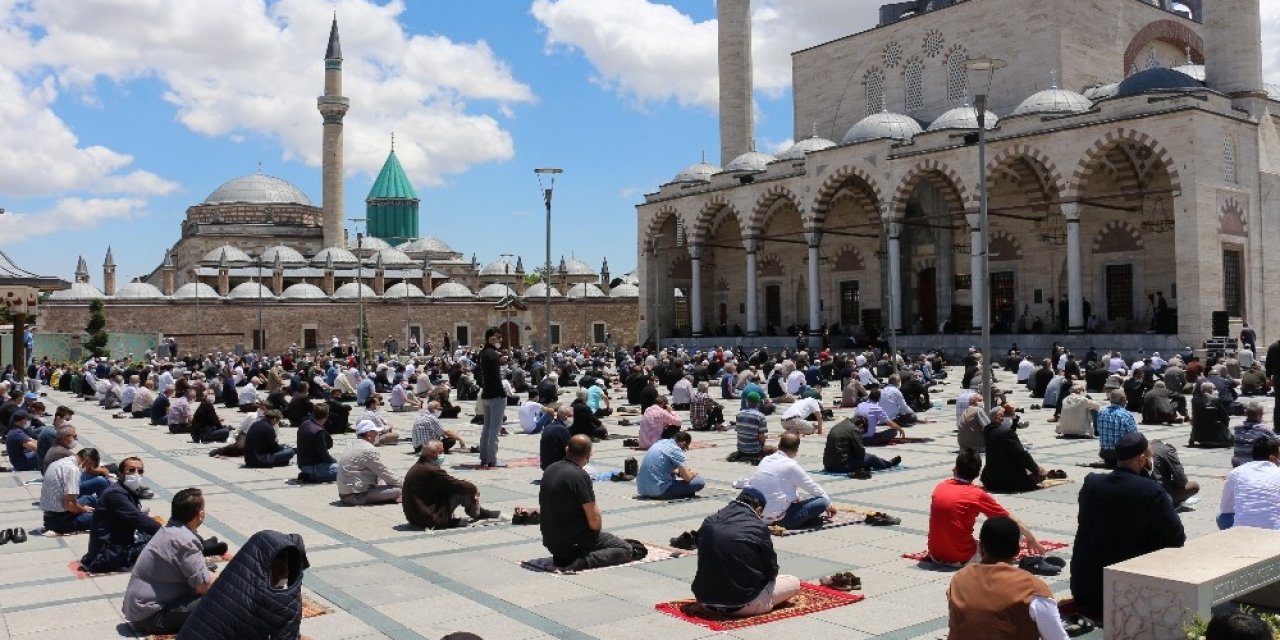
[{"x": 954, "y": 510}]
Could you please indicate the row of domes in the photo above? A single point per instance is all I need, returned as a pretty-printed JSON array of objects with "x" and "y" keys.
[
  {"x": 348, "y": 291},
  {"x": 378, "y": 253},
  {"x": 896, "y": 126}
]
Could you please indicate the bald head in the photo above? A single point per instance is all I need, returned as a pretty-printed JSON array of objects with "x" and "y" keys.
[
  {"x": 789, "y": 443},
  {"x": 431, "y": 451},
  {"x": 579, "y": 448}
]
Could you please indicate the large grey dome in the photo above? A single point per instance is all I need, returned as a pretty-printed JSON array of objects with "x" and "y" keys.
[
  {"x": 749, "y": 162},
  {"x": 428, "y": 244},
  {"x": 257, "y": 188},
  {"x": 501, "y": 267},
  {"x": 353, "y": 291},
  {"x": 1157, "y": 79},
  {"x": 585, "y": 290},
  {"x": 250, "y": 291},
  {"x": 392, "y": 258},
  {"x": 138, "y": 291},
  {"x": 303, "y": 291},
  {"x": 232, "y": 254},
  {"x": 1102, "y": 92},
  {"x": 341, "y": 257},
  {"x": 625, "y": 290},
  {"x": 965, "y": 117},
  {"x": 452, "y": 290},
  {"x": 1053, "y": 100},
  {"x": 1194, "y": 70},
  {"x": 190, "y": 290},
  {"x": 538, "y": 291},
  {"x": 696, "y": 173},
  {"x": 367, "y": 243},
  {"x": 287, "y": 255},
  {"x": 808, "y": 145},
  {"x": 497, "y": 291},
  {"x": 576, "y": 267},
  {"x": 883, "y": 125},
  {"x": 402, "y": 290},
  {"x": 78, "y": 291}
]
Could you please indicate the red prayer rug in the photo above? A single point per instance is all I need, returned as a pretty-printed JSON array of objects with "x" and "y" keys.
[
  {"x": 1048, "y": 545},
  {"x": 811, "y": 599}
]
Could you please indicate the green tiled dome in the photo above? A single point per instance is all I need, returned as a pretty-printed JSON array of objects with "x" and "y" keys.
[{"x": 392, "y": 183}]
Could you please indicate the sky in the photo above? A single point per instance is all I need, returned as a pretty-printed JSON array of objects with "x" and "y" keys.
[{"x": 120, "y": 114}]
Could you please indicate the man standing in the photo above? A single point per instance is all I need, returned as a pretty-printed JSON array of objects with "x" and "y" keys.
[
  {"x": 1122, "y": 515},
  {"x": 664, "y": 473},
  {"x": 1249, "y": 338},
  {"x": 995, "y": 598},
  {"x": 360, "y": 468},
  {"x": 431, "y": 495},
  {"x": 1273, "y": 372},
  {"x": 170, "y": 576},
  {"x": 737, "y": 566},
  {"x": 492, "y": 396},
  {"x": 780, "y": 478},
  {"x": 572, "y": 527}
]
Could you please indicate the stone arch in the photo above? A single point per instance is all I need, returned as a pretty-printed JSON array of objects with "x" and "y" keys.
[
  {"x": 772, "y": 266},
  {"x": 942, "y": 175},
  {"x": 1159, "y": 156},
  {"x": 680, "y": 267},
  {"x": 848, "y": 258},
  {"x": 1003, "y": 247},
  {"x": 659, "y": 220},
  {"x": 868, "y": 193},
  {"x": 710, "y": 218},
  {"x": 767, "y": 206},
  {"x": 1117, "y": 236},
  {"x": 1231, "y": 218},
  {"x": 1052, "y": 184},
  {"x": 1170, "y": 31}
]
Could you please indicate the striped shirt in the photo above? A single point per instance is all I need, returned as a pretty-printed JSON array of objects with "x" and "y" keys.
[{"x": 751, "y": 424}]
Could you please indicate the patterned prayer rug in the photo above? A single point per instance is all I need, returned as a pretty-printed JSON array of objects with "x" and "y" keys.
[
  {"x": 1049, "y": 545},
  {"x": 843, "y": 518},
  {"x": 811, "y": 599}
]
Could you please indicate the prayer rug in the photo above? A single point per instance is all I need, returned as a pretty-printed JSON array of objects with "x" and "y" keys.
[
  {"x": 692, "y": 445},
  {"x": 78, "y": 571},
  {"x": 1047, "y": 483},
  {"x": 908, "y": 440},
  {"x": 524, "y": 462},
  {"x": 656, "y": 554},
  {"x": 310, "y": 609},
  {"x": 843, "y": 518},
  {"x": 839, "y": 474},
  {"x": 475, "y": 466},
  {"x": 1048, "y": 545},
  {"x": 811, "y": 599}
]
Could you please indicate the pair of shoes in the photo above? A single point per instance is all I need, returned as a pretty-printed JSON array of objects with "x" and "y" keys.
[
  {"x": 687, "y": 540},
  {"x": 486, "y": 514},
  {"x": 630, "y": 466},
  {"x": 622, "y": 477},
  {"x": 214, "y": 548},
  {"x": 631, "y": 442},
  {"x": 525, "y": 516},
  {"x": 882, "y": 519},
  {"x": 624, "y": 422},
  {"x": 473, "y": 449},
  {"x": 1042, "y": 565},
  {"x": 861, "y": 474},
  {"x": 1057, "y": 474},
  {"x": 843, "y": 581},
  {"x": 1035, "y": 407},
  {"x": 17, "y": 535},
  {"x": 1077, "y": 625}
]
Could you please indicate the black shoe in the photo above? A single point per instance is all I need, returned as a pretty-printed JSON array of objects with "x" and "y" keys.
[
  {"x": 487, "y": 514},
  {"x": 861, "y": 474},
  {"x": 213, "y": 548},
  {"x": 630, "y": 466},
  {"x": 305, "y": 478},
  {"x": 622, "y": 477},
  {"x": 687, "y": 541},
  {"x": 631, "y": 442},
  {"x": 897, "y": 460},
  {"x": 5, "y": 536},
  {"x": 18, "y": 534}
]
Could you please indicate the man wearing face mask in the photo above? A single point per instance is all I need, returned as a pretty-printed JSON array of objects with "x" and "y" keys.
[
  {"x": 120, "y": 527},
  {"x": 1009, "y": 466},
  {"x": 65, "y": 509},
  {"x": 492, "y": 396}
]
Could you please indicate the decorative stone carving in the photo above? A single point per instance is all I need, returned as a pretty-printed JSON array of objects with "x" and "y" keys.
[{"x": 933, "y": 43}]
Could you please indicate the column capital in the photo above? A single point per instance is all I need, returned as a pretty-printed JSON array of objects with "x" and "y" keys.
[
  {"x": 887, "y": 210},
  {"x": 974, "y": 220},
  {"x": 813, "y": 237},
  {"x": 695, "y": 251},
  {"x": 893, "y": 230},
  {"x": 751, "y": 244},
  {"x": 1071, "y": 211}
]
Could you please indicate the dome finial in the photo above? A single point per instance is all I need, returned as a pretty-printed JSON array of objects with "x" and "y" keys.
[
  {"x": 259, "y": 167},
  {"x": 393, "y": 142},
  {"x": 704, "y": 156},
  {"x": 1190, "y": 60},
  {"x": 1053, "y": 78},
  {"x": 815, "y": 130}
]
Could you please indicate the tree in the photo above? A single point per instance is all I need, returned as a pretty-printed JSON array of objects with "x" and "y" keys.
[
  {"x": 535, "y": 276},
  {"x": 97, "y": 330}
]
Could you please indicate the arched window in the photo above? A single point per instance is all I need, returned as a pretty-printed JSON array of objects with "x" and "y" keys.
[
  {"x": 1229, "y": 160},
  {"x": 874, "y": 81},
  {"x": 913, "y": 75},
  {"x": 957, "y": 77}
]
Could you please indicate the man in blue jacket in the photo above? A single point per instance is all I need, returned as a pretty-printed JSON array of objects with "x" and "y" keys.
[
  {"x": 120, "y": 528},
  {"x": 737, "y": 566}
]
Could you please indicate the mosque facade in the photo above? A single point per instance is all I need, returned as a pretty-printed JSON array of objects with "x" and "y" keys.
[
  {"x": 259, "y": 265},
  {"x": 1132, "y": 162}
]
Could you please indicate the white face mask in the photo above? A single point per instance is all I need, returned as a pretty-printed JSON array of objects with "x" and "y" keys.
[
  {"x": 132, "y": 482},
  {"x": 1006, "y": 422}
]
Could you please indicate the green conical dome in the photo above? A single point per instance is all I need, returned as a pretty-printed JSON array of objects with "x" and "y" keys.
[{"x": 392, "y": 183}]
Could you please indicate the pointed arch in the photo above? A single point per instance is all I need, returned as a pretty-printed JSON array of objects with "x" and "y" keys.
[
  {"x": 850, "y": 180},
  {"x": 1049, "y": 177},
  {"x": 1118, "y": 236},
  {"x": 767, "y": 206},
  {"x": 941, "y": 175},
  {"x": 657, "y": 222},
  {"x": 714, "y": 213},
  {"x": 1155, "y": 155}
]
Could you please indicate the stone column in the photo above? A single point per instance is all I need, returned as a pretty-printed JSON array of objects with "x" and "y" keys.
[
  {"x": 1075, "y": 278},
  {"x": 753, "y": 316},
  {"x": 734, "y": 62},
  {"x": 977, "y": 288},
  {"x": 815, "y": 292},
  {"x": 695, "y": 298},
  {"x": 893, "y": 231}
]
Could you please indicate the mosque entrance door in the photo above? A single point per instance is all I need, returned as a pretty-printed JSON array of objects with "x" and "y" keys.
[
  {"x": 510, "y": 333},
  {"x": 927, "y": 293}
]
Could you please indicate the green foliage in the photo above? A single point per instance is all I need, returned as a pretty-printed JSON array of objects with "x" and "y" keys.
[
  {"x": 96, "y": 344},
  {"x": 1196, "y": 627},
  {"x": 5, "y": 318}
]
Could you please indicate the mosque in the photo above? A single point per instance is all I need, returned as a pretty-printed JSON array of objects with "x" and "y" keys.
[
  {"x": 1131, "y": 160},
  {"x": 258, "y": 265}
]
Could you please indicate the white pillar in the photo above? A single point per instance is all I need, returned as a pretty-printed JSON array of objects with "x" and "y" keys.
[
  {"x": 977, "y": 288},
  {"x": 695, "y": 299},
  {"x": 893, "y": 230},
  {"x": 753, "y": 316},
  {"x": 1075, "y": 279},
  {"x": 815, "y": 293}
]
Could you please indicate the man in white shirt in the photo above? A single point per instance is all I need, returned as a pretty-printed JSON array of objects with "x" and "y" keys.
[
  {"x": 795, "y": 382},
  {"x": 894, "y": 405},
  {"x": 1025, "y": 369},
  {"x": 1251, "y": 495},
  {"x": 248, "y": 395},
  {"x": 804, "y": 416},
  {"x": 779, "y": 477},
  {"x": 533, "y": 415},
  {"x": 682, "y": 393},
  {"x": 865, "y": 377}
]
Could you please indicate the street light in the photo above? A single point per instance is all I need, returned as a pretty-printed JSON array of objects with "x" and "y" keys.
[
  {"x": 547, "y": 190},
  {"x": 980, "y": 73},
  {"x": 506, "y": 312},
  {"x": 359, "y": 295},
  {"x": 262, "y": 339}
]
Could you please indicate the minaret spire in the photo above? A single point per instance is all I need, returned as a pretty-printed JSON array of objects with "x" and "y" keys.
[{"x": 333, "y": 107}]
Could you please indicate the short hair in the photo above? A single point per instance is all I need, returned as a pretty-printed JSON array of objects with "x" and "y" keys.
[
  {"x": 999, "y": 537},
  {"x": 89, "y": 453},
  {"x": 372, "y": 400},
  {"x": 1206, "y": 387},
  {"x": 273, "y": 415},
  {"x": 303, "y": 387},
  {"x": 490, "y": 332},
  {"x": 894, "y": 378},
  {"x": 874, "y": 394},
  {"x": 1237, "y": 625},
  {"x": 789, "y": 442},
  {"x": 1117, "y": 396},
  {"x": 702, "y": 386},
  {"x": 319, "y": 410},
  {"x": 579, "y": 446},
  {"x": 64, "y": 412},
  {"x": 125, "y": 463},
  {"x": 682, "y": 437},
  {"x": 564, "y": 411},
  {"x": 186, "y": 505},
  {"x": 1254, "y": 410},
  {"x": 968, "y": 464},
  {"x": 65, "y": 431},
  {"x": 581, "y": 394},
  {"x": 1264, "y": 447}
]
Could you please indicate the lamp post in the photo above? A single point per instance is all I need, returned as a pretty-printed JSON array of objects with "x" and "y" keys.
[
  {"x": 262, "y": 339},
  {"x": 506, "y": 312},
  {"x": 359, "y": 294},
  {"x": 547, "y": 191},
  {"x": 199, "y": 324},
  {"x": 980, "y": 73}
]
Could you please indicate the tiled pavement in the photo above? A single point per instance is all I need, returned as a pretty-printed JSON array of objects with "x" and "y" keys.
[{"x": 383, "y": 580}]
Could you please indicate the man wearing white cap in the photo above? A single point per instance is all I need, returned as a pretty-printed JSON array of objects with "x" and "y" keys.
[{"x": 360, "y": 467}]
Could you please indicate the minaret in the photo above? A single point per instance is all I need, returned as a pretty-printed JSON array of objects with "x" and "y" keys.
[
  {"x": 1233, "y": 47},
  {"x": 109, "y": 275},
  {"x": 737, "y": 121},
  {"x": 168, "y": 274},
  {"x": 333, "y": 106},
  {"x": 82, "y": 271}
]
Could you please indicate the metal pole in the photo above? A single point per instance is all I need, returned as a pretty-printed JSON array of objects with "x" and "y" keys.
[
  {"x": 546, "y": 276},
  {"x": 359, "y": 299},
  {"x": 981, "y": 108},
  {"x": 198, "y": 323},
  {"x": 262, "y": 339}
]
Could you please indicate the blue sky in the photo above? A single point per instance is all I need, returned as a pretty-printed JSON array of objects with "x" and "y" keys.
[{"x": 120, "y": 114}]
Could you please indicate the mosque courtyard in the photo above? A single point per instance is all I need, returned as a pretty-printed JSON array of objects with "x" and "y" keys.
[{"x": 378, "y": 578}]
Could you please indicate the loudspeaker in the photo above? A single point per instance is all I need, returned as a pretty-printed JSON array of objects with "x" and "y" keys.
[{"x": 1221, "y": 327}]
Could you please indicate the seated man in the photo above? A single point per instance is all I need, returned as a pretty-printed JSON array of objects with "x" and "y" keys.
[
  {"x": 403, "y": 399},
  {"x": 259, "y": 593},
  {"x": 47, "y": 436},
  {"x": 657, "y": 422},
  {"x": 1113, "y": 423},
  {"x": 170, "y": 575},
  {"x": 664, "y": 472},
  {"x": 1246, "y": 433},
  {"x": 737, "y": 567},
  {"x": 1166, "y": 468},
  {"x": 895, "y": 403},
  {"x": 431, "y": 496},
  {"x": 19, "y": 446},
  {"x": 1076, "y": 420},
  {"x": 572, "y": 527},
  {"x": 1251, "y": 495},
  {"x": 532, "y": 414},
  {"x": 705, "y": 413},
  {"x": 143, "y": 399},
  {"x": 387, "y": 433},
  {"x": 845, "y": 453},
  {"x": 752, "y": 428},
  {"x": 598, "y": 399},
  {"x": 555, "y": 437},
  {"x": 874, "y": 416},
  {"x": 804, "y": 416},
  {"x": 427, "y": 427},
  {"x": 66, "y": 501},
  {"x": 682, "y": 393},
  {"x": 360, "y": 468},
  {"x": 1122, "y": 515},
  {"x": 299, "y": 407},
  {"x": 160, "y": 407},
  {"x": 585, "y": 421},
  {"x": 120, "y": 527},
  {"x": 262, "y": 448},
  {"x": 1210, "y": 420},
  {"x": 779, "y": 477},
  {"x": 339, "y": 421},
  {"x": 972, "y": 425},
  {"x": 315, "y": 463},
  {"x": 1253, "y": 381},
  {"x": 1009, "y": 467},
  {"x": 954, "y": 509},
  {"x": 997, "y": 599},
  {"x": 1162, "y": 406}
]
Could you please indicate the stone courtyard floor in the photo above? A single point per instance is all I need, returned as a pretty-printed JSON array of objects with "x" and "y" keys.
[{"x": 381, "y": 579}]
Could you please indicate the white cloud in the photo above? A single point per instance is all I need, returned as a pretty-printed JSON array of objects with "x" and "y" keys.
[
  {"x": 651, "y": 53},
  {"x": 1271, "y": 42},
  {"x": 79, "y": 214}
]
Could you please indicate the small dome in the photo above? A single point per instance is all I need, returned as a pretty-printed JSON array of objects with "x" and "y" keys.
[
  {"x": 1053, "y": 101},
  {"x": 585, "y": 290},
  {"x": 500, "y": 267},
  {"x": 625, "y": 290},
  {"x": 497, "y": 291},
  {"x": 749, "y": 162},
  {"x": 696, "y": 173},
  {"x": 341, "y": 257},
  {"x": 303, "y": 291},
  {"x": 575, "y": 267},
  {"x": 367, "y": 243},
  {"x": 257, "y": 188},
  {"x": 233, "y": 255},
  {"x": 452, "y": 290},
  {"x": 189, "y": 291},
  {"x": 352, "y": 291},
  {"x": 1194, "y": 70},
  {"x": 78, "y": 291},
  {"x": 138, "y": 291},
  {"x": 287, "y": 255},
  {"x": 1273, "y": 90},
  {"x": 965, "y": 117},
  {"x": 1102, "y": 92},
  {"x": 808, "y": 145},
  {"x": 402, "y": 290},
  {"x": 1157, "y": 79},
  {"x": 392, "y": 258},
  {"x": 250, "y": 290},
  {"x": 538, "y": 290},
  {"x": 428, "y": 244},
  {"x": 883, "y": 125}
]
